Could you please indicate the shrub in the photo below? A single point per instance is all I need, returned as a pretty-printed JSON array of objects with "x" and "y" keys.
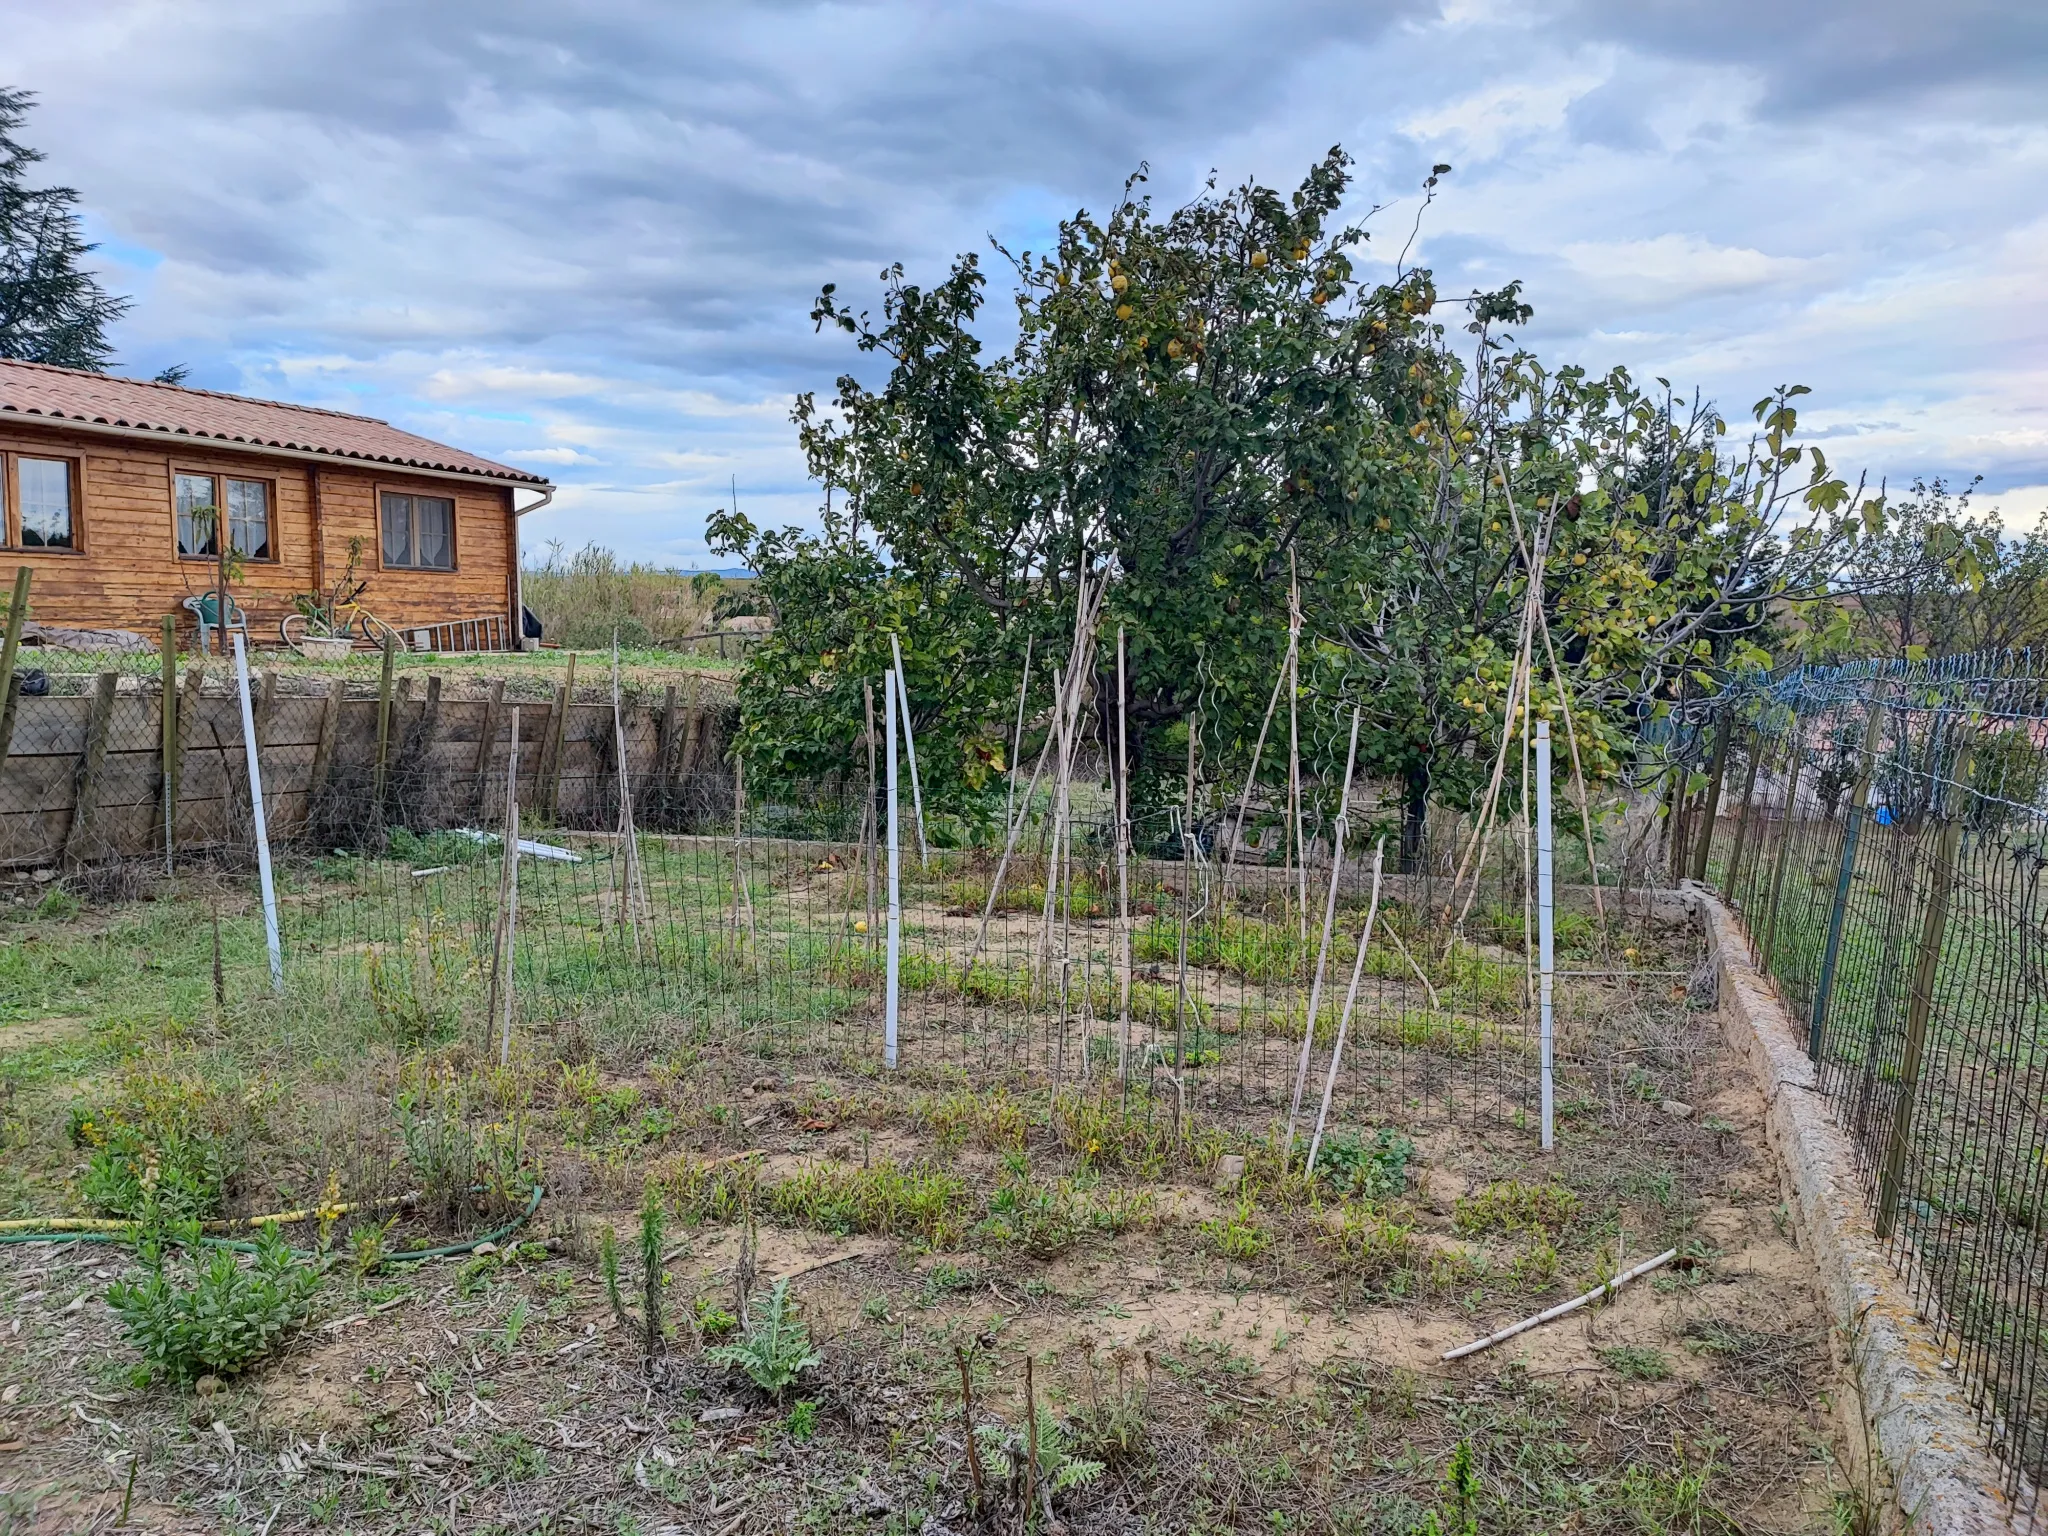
[
  {"x": 212, "y": 1313},
  {"x": 776, "y": 1348},
  {"x": 1375, "y": 1169},
  {"x": 1637, "y": 1362},
  {"x": 166, "y": 1143}
]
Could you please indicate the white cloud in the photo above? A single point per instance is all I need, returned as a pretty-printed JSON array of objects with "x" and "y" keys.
[{"x": 590, "y": 235}]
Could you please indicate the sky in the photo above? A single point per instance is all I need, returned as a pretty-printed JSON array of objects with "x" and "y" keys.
[{"x": 584, "y": 240}]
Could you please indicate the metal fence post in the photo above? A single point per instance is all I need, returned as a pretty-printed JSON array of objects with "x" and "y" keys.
[
  {"x": 1711, "y": 807},
  {"x": 1732, "y": 883},
  {"x": 1852, "y": 832},
  {"x": 1546, "y": 928},
  {"x": 1784, "y": 845},
  {"x": 1925, "y": 967}
]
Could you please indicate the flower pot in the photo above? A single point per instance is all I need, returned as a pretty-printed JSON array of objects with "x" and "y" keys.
[{"x": 326, "y": 647}]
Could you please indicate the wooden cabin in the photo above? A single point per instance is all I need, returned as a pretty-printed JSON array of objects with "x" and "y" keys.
[{"x": 108, "y": 488}]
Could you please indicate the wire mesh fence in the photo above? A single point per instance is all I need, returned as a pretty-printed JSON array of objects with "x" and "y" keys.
[
  {"x": 1882, "y": 830},
  {"x": 757, "y": 921}
]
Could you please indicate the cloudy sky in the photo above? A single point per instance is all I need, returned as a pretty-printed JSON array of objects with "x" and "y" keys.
[{"x": 583, "y": 239}]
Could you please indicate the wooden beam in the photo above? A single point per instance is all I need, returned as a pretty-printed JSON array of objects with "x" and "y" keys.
[
  {"x": 17, "y": 615},
  {"x": 167, "y": 719},
  {"x": 85, "y": 802},
  {"x": 565, "y": 695},
  {"x": 486, "y": 739},
  {"x": 383, "y": 725},
  {"x": 323, "y": 753}
]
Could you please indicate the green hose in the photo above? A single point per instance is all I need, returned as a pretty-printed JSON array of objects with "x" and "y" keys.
[{"x": 411, "y": 1256}]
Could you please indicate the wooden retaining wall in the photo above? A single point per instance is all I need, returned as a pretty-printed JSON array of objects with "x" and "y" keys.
[{"x": 83, "y": 777}]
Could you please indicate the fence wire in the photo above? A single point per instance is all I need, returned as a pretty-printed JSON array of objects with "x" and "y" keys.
[
  {"x": 743, "y": 921},
  {"x": 1882, "y": 830}
]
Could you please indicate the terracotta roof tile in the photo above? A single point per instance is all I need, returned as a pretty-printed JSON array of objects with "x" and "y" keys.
[{"x": 67, "y": 394}]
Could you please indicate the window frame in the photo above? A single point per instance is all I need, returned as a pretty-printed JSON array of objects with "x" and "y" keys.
[
  {"x": 11, "y": 454},
  {"x": 386, "y": 488},
  {"x": 220, "y": 477}
]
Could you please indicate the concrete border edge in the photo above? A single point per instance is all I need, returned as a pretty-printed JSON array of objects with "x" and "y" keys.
[{"x": 1936, "y": 1475}]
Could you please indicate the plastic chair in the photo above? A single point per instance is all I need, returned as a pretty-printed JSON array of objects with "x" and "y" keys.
[{"x": 206, "y": 608}]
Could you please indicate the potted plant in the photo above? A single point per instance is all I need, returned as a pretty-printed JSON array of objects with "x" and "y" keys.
[{"x": 323, "y": 627}]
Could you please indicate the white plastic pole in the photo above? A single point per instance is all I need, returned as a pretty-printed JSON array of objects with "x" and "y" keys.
[
  {"x": 924, "y": 852},
  {"x": 893, "y": 974},
  {"x": 1546, "y": 924},
  {"x": 262, "y": 830}
]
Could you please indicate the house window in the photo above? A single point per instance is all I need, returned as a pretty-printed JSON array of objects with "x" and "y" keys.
[
  {"x": 38, "y": 502},
  {"x": 46, "y": 506},
  {"x": 419, "y": 531},
  {"x": 200, "y": 500}
]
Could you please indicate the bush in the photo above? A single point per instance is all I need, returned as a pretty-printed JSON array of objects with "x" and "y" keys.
[
  {"x": 211, "y": 1313},
  {"x": 166, "y": 1144},
  {"x": 1375, "y": 1169}
]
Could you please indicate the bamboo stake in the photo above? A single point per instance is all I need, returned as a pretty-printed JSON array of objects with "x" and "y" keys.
[
  {"x": 1123, "y": 864},
  {"x": 1251, "y": 778},
  {"x": 1372, "y": 913},
  {"x": 1017, "y": 736},
  {"x": 167, "y": 719},
  {"x": 1598, "y": 1291},
  {"x": 1308, "y": 1031},
  {"x": 1299, "y": 851},
  {"x": 868, "y": 839},
  {"x": 503, "y": 942},
  {"x": 633, "y": 896}
]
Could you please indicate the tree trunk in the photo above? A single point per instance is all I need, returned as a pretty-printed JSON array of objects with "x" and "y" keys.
[{"x": 1415, "y": 817}]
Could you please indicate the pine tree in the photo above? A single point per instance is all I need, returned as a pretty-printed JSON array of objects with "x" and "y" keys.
[{"x": 52, "y": 310}]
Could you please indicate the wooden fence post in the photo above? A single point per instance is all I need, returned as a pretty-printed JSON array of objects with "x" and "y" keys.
[
  {"x": 383, "y": 724},
  {"x": 17, "y": 615},
  {"x": 1925, "y": 968},
  {"x": 86, "y": 797},
  {"x": 1712, "y": 806},
  {"x": 323, "y": 751},
  {"x": 167, "y": 718},
  {"x": 565, "y": 695},
  {"x": 487, "y": 739}
]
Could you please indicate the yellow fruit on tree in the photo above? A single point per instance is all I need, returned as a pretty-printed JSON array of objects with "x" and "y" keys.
[
  {"x": 1119, "y": 282},
  {"x": 860, "y": 925},
  {"x": 1123, "y": 311},
  {"x": 1173, "y": 349}
]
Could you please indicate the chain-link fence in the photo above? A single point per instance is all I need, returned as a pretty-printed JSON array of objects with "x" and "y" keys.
[{"x": 1882, "y": 830}]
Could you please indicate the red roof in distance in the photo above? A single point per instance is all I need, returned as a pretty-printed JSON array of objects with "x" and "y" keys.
[{"x": 72, "y": 395}]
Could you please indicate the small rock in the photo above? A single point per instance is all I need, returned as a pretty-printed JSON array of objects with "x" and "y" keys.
[
  {"x": 206, "y": 1386},
  {"x": 43, "y": 876},
  {"x": 1229, "y": 1172},
  {"x": 721, "y": 1415},
  {"x": 763, "y": 1085},
  {"x": 1677, "y": 1109},
  {"x": 485, "y": 1248}
]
